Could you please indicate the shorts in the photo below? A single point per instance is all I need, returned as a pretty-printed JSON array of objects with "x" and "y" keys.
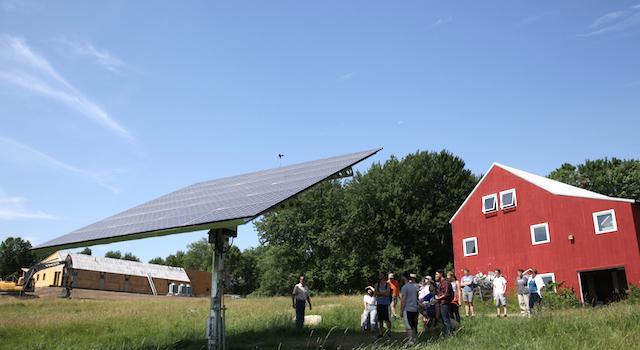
[
  {"x": 410, "y": 319},
  {"x": 500, "y": 300},
  {"x": 383, "y": 313},
  {"x": 467, "y": 296}
]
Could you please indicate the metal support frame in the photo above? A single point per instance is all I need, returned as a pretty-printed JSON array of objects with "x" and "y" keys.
[{"x": 219, "y": 239}]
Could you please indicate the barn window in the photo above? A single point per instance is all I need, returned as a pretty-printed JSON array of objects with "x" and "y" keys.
[
  {"x": 470, "y": 246},
  {"x": 489, "y": 203},
  {"x": 548, "y": 278},
  {"x": 508, "y": 199},
  {"x": 540, "y": 233},
  {"x": 605, "y": 221}
]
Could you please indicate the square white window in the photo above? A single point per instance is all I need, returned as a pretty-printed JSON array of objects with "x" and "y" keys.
[
  {"x": 548, "y": 278},
  {"x": 490, "y": 203},
  {"x": 540, "y": 233},
  {"x": 508, "y": 199},
  {"x": 605, "y": 221},
  {"x": 470, "y": 246}
]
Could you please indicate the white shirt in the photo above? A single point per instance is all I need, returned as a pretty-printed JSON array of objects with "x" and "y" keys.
[
  {"x": 370, "y": 300},
  {"x": 300, "y": 292},
  {"x": 499, "y": 285}
]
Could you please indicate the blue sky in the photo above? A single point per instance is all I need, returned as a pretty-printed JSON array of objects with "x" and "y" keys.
[{"x": 104, "y": 106}]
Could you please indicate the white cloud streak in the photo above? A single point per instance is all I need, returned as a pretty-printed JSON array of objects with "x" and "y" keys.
[
  {"x": 23, "y": 67},
  {"x": 347, "y": 76},
  {"x": 613, "y": 22},
  {"x": 14, "y": 208},
  {"x": 27, "y": 153},
  {"x": 103, "y": 58},
  {"x": 442, "y": 21}
]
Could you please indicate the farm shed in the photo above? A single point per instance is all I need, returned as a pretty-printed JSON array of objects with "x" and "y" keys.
[
  {"x": 100, "y": 273},
  {"x": 514, "y": 219}
]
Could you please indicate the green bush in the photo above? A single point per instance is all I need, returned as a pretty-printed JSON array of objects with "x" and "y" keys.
[
  {"x": 633, "y": 295},
  {"x": 558, "y": 297}
]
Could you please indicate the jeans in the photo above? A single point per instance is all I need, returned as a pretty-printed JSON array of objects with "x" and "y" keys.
[
  {"x": 369, "y": 319},
  {"x": 446, "y": 319},
  {"x": 300, "y": 304},
  {"x": 523, "y": 301},
  {"x": 534, "y": 299}
]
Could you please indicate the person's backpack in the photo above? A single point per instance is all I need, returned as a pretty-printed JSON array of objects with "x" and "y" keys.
[{"x": 450, "y": 293}]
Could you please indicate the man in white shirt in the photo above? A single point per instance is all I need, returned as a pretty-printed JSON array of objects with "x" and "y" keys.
[
  {"x": 499, "y": 292},
  {"x": 300, "y": 297},
  {"x": 409, "y": 305}
]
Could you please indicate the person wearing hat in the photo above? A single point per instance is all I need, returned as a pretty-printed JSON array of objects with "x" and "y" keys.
[
  {"x": 395, "y": 294},
  {"x": 369, "y": 316},
  {"x": 409, "y": 305}
]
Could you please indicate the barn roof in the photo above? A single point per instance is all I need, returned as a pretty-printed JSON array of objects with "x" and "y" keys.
[
  {"x": 554, "y": 187},
  {"x": 125, "y": 267}
]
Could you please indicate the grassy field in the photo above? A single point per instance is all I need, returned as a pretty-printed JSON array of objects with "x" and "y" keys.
[{"x": 265, "y": 323}]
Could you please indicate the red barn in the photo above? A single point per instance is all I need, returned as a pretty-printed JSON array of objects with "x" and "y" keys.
[{"x": 514, "y": 219}]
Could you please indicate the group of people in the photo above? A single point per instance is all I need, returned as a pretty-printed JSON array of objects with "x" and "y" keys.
[{"x": 437, "y": 299}]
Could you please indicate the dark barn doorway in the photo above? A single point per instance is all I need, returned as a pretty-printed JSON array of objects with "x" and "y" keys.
[{"x": 603, "y": 286}]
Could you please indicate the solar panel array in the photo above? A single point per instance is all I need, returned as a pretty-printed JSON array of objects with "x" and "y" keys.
[{"x": 237, "y": 197}]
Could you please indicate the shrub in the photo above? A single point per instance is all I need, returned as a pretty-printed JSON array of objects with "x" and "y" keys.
[
  {"x": 633, "y": 295},
  {"x": 559, "y": 297}
]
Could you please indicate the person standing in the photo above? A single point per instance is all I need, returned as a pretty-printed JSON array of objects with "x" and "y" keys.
[
  {"x": 300, "y": 298},
  {"x": 499, "y": 292},
  {"x": 455, "y": 303},
  {"x": 409, "y": 305},
  {"x": 368, "y": 320},
  {"x": 444, "y": 296},
  {"x": 536, "y": 285},
  {"x": 383, "y": 301},
  {"x": 522, "y": 289},
  {"x": 466, "y": 282},
  {"x": 395, "y": 293}
]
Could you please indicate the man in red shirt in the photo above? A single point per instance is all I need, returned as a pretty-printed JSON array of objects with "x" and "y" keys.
[{"x": 395, "y": 293}]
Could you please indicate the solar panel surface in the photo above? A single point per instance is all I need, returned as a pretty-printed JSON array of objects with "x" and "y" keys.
[{"x": 230, "y": 200}]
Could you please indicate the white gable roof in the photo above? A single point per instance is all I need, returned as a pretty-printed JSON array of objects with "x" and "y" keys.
[
  {"x": 125, "y": 267},
  {"x": 554, "y": 187}
]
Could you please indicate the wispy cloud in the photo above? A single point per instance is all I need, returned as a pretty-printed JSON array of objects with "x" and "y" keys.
[
  {"x": 536, "y": 18},
  {"x": 29, "y": 154},
  {"x": 13, "y": 6},
  {"x": 15, "y": 208},
  {"x": 616, "y": 21},
  {"x": 347, "y": 76},
  {"x": 441, "y": 21},
  {"x": 23, "y": 67},
  {"x": 102, "y": 57}
]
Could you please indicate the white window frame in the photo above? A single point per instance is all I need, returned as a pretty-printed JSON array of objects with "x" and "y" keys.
[
  {"x": 495, "y": 201},
  {"x": 464, "y": 245},
  {"x": 553, "y": 279},
  {"x": 515, "y": 201},
  {"x": 533, "y": 235},
  {"x": 604, "y": 212}
]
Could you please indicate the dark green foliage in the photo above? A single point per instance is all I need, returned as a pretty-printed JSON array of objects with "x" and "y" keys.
[
  {"x": 557, "y": 296},
  {"x": 392, "y": 218},
  {"x": 118, "y": 255},
  {"x": 612, "y": 177},
  {"x": 113, "y": 254},
  {"x": 86, "y": 251},
  {"x": 633, "y": 294},
  {"x": 15, "y": 253},
  {"x": 158, "y": 260}
]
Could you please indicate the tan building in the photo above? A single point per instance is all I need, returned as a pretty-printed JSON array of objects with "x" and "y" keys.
[{"x": 92, "y": 272}]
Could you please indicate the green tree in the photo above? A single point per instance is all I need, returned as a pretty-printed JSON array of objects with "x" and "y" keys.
[
  {"x": 85, "y": 251},
  {"x": 15, "y": 253},
  {"x": 612, "y": 177},
  {"x": 130, "y": 257},
  {"x": 176, "y": 260},
  {"x": 158, "y": 261},
  {"x": 113, "y": 254},
  {"x": 199, "y": 256}
]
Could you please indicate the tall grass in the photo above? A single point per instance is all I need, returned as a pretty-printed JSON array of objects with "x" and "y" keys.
[{"x": 266, "y": 323}]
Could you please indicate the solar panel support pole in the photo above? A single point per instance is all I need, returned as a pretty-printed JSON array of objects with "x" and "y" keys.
[{"x": 219, "y": 239}]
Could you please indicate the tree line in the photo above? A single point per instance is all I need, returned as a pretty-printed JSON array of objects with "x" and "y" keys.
[{"x": 393, "y": 217}]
